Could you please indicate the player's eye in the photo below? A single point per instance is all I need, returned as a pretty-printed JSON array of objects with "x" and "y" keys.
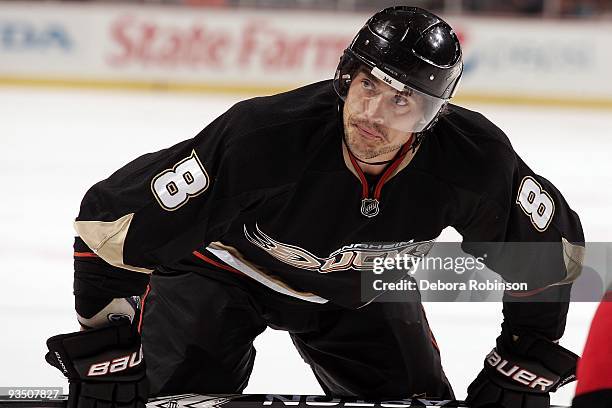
[
  {"x": 400, "y": 100},
  {"x": 367, "y": 84}
]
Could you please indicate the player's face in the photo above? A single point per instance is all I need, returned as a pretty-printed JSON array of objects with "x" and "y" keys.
[{"x": 374, "y": 116}]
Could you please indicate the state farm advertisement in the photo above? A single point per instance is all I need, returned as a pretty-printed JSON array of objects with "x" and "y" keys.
[
  {"x": 225, "y": 49},
  {"x": 233, "y": 48}
]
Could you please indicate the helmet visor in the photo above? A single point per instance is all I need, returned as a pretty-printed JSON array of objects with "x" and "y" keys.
[{"x": 377, "y": 102}]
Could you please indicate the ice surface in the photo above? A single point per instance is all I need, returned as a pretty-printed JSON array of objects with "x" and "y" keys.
[{"x": 55, "y": 144}]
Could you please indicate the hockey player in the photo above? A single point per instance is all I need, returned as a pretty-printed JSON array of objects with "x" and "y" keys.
[{"x": 267, "y": 219}]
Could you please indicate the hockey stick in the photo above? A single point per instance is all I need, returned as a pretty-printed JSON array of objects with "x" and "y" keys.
[{"x": 250, "y": 401}]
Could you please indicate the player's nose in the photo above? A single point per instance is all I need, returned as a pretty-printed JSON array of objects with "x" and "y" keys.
[{"x": 373, "y": 109}]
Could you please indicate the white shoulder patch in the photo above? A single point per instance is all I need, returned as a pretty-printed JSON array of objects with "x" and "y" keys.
[{"x": 106, "y": 239}]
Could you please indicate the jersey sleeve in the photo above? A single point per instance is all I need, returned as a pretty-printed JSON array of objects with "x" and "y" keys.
[
  {"x": 529, "y": 235},
  {"x": 156, "y": 210}
]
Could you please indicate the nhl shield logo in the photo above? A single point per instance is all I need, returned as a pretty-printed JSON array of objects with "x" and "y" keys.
[{"x": 369, "y": 207}]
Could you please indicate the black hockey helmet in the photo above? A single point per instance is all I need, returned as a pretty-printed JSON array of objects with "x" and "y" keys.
[{"x": 411, "y": 50}]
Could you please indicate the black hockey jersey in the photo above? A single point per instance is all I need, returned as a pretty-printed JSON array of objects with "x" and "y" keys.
[{"x": 269, "y": 190}]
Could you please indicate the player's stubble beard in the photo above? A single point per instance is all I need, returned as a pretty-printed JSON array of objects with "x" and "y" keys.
[{"x": 362, "y": 148}]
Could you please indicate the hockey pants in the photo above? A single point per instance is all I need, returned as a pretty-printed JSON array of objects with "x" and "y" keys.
[{"x": 198, "y": 337}]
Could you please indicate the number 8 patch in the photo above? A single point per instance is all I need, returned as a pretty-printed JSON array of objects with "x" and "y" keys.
[
  {"x": 536, "y": 203},
  {"x": 173, "y": 187}
]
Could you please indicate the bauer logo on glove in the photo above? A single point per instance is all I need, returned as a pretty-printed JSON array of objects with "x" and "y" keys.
[
  {"x": 519, "y": 374},
  {"x": 115, "y": 365}
]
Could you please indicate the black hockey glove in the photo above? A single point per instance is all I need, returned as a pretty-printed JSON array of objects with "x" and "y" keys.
[
  {"x": 104, "y": 366},
  {"x": 521, "y": 372}
]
